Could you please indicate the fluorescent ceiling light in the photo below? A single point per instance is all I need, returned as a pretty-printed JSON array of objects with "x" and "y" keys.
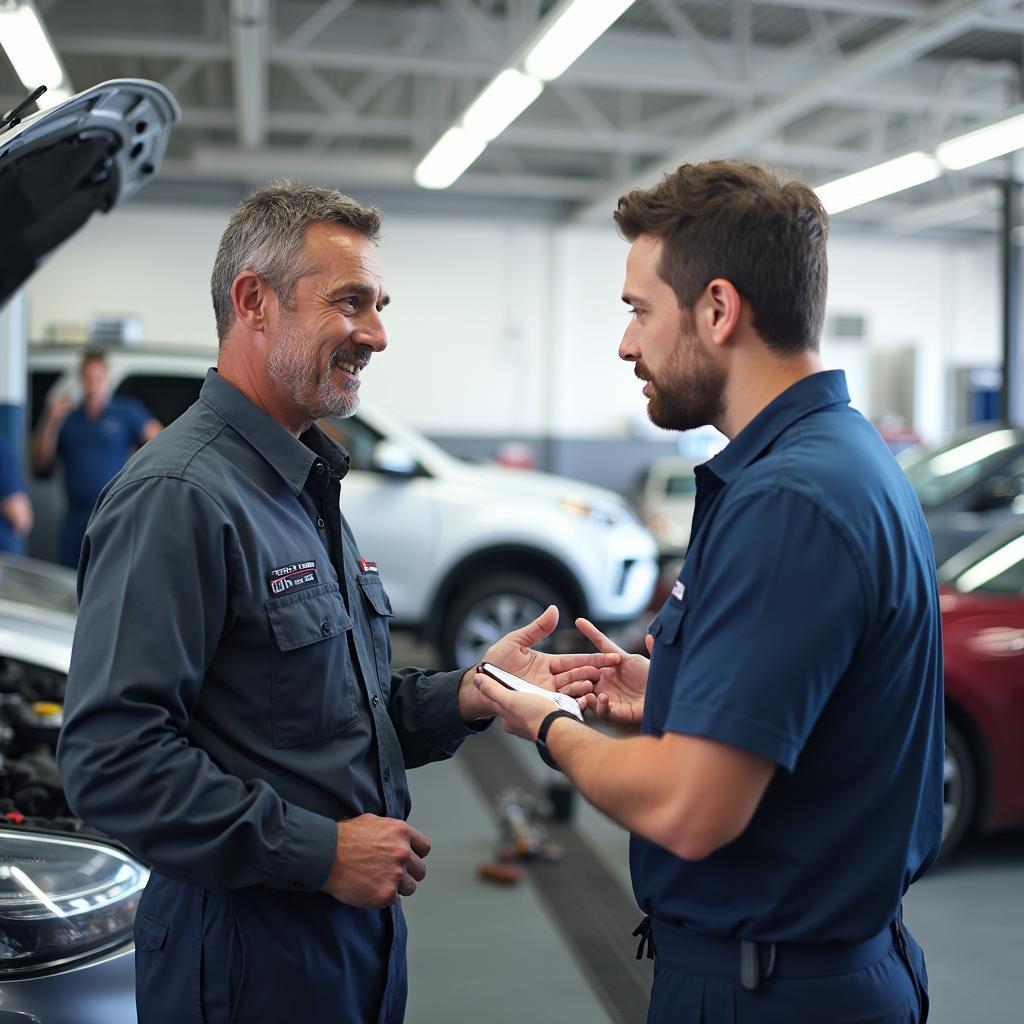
[
  {"x": 449, "y": 157},
  {"x": 28, "y": 48},
  {"x": 571, "y": 34},
  {"x": 501, "y": 103},
  {"x": 982, "y": 144},
  {"x": 881, "y": 180}
]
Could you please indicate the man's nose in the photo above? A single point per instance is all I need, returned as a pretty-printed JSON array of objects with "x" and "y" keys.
[
  {"x": 371, "y": 332},
  {"x": 628, "y": 348}
]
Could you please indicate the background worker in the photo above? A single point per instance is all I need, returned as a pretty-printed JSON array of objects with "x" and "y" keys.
[
  {"x": 93, "y": 440},
  {"x": 787, "y": 786}
]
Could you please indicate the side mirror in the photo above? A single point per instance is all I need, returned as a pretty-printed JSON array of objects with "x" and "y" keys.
[
  {"x": 393, "y": 459},
  {"x": 998, "y": 492}
]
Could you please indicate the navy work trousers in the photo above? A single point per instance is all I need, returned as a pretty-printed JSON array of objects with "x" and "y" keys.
[
  {"x": 882, "y": 992},
  {"x": 258, "y": 955}
]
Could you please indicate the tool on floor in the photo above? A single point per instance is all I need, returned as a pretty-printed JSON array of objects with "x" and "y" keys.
[{"x": 522, "y": 837}]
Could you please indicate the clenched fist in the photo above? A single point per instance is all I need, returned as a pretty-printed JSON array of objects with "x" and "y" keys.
[{"x": 376, "y": 861}]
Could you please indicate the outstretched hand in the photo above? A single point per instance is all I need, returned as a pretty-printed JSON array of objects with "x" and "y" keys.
[
  {"x": 572, "y": 674},
  {"x": 618, "y": 694}
]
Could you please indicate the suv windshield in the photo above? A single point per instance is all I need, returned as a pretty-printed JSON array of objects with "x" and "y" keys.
[{"x": 938, "y": 474}]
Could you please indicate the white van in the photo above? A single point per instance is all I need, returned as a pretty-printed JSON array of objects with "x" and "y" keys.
[{"x": 467, "y": 552}]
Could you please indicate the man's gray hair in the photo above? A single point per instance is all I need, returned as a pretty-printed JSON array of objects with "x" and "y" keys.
[{"x": 266, "y": 235}]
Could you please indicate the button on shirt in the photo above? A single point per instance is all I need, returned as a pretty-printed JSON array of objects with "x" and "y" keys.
[
  {"x": 230, "y": 694},
  {"x": 805, "y": 628},
  {"x": 94, "y": 448}
]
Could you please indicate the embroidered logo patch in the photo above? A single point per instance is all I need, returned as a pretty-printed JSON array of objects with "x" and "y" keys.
[
  {"x": 297, "y": 576},
  {"x": 369, "y": 567},
  {"x": 678, "y": 589}
]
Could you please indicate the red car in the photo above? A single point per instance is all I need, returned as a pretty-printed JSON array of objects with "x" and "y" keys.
[{"x": 982, "y": 600}]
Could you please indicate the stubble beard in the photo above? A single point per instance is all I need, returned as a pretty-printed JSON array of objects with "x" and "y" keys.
[
  {"x": 691, "y": 391},
  {"x": 293, "y": 364}
]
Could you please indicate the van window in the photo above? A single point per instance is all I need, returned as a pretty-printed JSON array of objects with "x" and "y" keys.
[{"x": 165, "y": 396}]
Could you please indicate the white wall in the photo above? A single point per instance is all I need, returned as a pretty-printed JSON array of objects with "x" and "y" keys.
[{"x": 509, "y": 327}]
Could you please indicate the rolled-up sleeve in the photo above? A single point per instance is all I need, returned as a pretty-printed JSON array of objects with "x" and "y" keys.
[{"x": 154, "y": 589}]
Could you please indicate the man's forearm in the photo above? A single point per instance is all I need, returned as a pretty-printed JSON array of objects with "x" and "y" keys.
[
  {"x": 619, "y": 776},
  {"x": 689, "y": 794}
]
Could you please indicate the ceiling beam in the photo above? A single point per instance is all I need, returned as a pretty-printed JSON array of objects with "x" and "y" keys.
[
  {"x": 325, "y": 16},
  {"x": 910, "y": 10},
  {"x": 650, "y": 70},
  {"x": 250, "y": 35},
  {"x": 946, "y": 211},
  {"x": 365, "y": 170},
  {"x": 897, "y": 48}
]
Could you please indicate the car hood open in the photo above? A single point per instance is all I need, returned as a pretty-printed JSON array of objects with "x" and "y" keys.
[{"x": 61, "y": 165}]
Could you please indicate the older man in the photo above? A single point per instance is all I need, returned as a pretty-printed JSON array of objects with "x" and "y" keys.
[{"x": 231, "y": 713}]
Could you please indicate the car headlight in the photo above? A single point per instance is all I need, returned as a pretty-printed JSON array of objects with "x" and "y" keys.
[
  {"x": 605, "y": 514},
  {"x": 62, "y": 900}
]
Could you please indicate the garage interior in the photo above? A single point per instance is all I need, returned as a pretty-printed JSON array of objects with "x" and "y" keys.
[{"x": 507, "y": 315}]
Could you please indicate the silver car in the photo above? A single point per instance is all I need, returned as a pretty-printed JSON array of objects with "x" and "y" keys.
[{"x": 67, "y": 893}]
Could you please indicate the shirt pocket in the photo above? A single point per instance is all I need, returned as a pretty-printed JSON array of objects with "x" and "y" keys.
[
  {"x": 379, "y": 614},
  {"x": 668, "y": 624},
  {"x": 312, "y": 682}
]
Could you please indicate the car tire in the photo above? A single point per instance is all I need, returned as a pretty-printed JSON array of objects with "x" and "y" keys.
[
  {"x": 959, "y": 788},
  {"x": 485, "y": 611}
]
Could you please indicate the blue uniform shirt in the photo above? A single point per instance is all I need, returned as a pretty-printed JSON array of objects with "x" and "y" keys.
[
  {"x": 11, "y": 482},
  {"x": 95, "y": 449},
  {"x": 805, "y": 628}
]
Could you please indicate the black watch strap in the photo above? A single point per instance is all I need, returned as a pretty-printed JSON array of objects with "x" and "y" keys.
[{"x": 542, "y": 736}]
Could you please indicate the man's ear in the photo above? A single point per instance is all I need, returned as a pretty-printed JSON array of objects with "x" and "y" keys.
[
  {"x": 722, "y": 307},
  {"x": 250, "y": 294}
]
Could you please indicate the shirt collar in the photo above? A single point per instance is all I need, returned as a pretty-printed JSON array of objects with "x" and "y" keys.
[
  {"x": 292, "y": 458},
  {"x": 807, "y": 395}
]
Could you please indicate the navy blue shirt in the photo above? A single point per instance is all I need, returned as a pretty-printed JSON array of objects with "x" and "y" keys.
[
  {"x": 95, "y": 448},
  {"x": 805, "y": 628},
  {"x": 11, "y": 482}
]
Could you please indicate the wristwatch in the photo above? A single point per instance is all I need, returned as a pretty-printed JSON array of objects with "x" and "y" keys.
[{"x": 542, "y": 736}]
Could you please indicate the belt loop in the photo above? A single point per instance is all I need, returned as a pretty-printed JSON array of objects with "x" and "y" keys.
[
  {"x": 750, "y": 965},
  {"x": 643, "y": 929},
  {"x": 751, "y": 971}
]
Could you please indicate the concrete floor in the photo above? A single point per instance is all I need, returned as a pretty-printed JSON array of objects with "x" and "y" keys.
[{"x": 482, "y": 952}]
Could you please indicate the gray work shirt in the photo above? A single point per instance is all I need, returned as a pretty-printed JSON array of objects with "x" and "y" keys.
[{"x": 230, "y": 694}]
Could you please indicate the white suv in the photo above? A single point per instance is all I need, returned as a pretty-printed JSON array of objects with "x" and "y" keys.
[{"x": 467, "y": 552}]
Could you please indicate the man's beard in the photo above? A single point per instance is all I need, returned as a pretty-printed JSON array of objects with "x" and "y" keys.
[
  {"x": 293, "y": 364},
  {"x": 690, "y": 391}
]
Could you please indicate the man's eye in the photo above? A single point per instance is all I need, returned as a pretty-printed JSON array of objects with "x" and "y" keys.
[{"x": 349, "y": 302}]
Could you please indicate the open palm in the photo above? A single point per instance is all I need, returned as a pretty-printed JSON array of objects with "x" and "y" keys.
[
  {"x": 572, "y": 674},
  {"x": 619, "y": 690}
]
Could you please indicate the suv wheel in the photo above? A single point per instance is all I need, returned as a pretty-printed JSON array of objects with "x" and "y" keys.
[
  {"x": 959, "y": 789},
  {"x": 485, "y": 611}
]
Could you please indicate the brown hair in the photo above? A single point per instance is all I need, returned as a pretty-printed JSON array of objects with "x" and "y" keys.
[
  {"x": 741, "y": 222},
  {"x": 91, "y": 356}
]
